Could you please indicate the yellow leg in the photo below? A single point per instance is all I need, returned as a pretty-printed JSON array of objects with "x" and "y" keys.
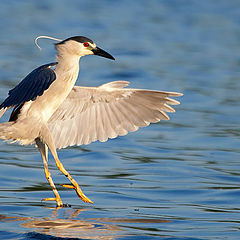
[
  {"x": 44, "y": 153},
  {"x": 45, "y": 135},
  {"x": 74, "y": 183}
]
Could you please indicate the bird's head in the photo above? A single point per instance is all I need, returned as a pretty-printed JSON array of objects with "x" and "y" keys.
[{"x": 81, "y": 46}]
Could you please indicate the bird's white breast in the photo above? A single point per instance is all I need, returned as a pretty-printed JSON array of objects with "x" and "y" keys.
[{"x": 44, "y": 106}]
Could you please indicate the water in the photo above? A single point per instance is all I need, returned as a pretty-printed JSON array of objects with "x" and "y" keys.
[{"x": 177, "y": 179}]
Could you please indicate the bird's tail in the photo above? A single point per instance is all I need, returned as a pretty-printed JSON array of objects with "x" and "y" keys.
[
  {"x": 20, "y": 132},
  {"x": 7, "y": 131}
]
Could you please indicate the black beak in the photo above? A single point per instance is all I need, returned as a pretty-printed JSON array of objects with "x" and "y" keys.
[{"x": 98, "y": 51}]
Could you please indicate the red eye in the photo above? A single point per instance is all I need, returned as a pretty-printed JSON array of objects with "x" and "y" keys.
[{"x": 86, "y": 44}]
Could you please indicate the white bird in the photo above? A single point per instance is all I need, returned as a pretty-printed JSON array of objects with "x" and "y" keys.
[{"x": 51, "y": 112}]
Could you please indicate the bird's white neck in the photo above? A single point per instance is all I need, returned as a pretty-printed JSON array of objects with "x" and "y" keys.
[
  {"x": 67, "y": 62},
  {"x": 67, "y": 69}
]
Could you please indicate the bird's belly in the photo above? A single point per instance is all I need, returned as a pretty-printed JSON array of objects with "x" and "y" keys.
[{"x": 48, "y": 110}]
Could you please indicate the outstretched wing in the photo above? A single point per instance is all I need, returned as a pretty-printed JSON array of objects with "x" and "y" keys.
[
  {"x": 33, "y": 85},
  {"x": 97, "y": 113}
]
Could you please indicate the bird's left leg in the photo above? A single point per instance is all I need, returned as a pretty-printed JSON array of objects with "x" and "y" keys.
[
  {"x": 47, "y": 138},
  {"x": 74, "y": 183},
  {"x": 43, "y": 149}
]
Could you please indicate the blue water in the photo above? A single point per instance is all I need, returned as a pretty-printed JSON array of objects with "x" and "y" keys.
[{"x": 178, "y": 179}]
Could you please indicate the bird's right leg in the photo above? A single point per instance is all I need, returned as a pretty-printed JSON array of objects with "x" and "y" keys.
[
  {"x": 47, "y": 138},
  {"x": 71, "y": 179},
  {"x": 43, "y": 149}
]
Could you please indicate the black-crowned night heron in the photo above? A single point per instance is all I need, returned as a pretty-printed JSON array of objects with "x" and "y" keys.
[{"x": 51, "y": 112}]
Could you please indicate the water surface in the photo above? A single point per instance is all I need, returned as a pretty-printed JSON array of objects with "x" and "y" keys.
[{"x": 177, "y": 179}]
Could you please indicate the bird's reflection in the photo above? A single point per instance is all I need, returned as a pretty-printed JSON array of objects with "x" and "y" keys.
[{"x": 68, "y": 227}]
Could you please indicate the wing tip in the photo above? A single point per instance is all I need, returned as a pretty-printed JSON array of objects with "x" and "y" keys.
[{"x": 175, "y": 94}]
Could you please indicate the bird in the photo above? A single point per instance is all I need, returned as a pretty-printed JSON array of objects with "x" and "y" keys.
[{"x": 50, "y": 111}]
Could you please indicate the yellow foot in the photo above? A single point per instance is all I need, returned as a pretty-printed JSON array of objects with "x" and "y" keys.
[
  {"x": 79, "y": 193},
  {"x": 58, "y": 200},
  {"x": 68, "y": 186}
]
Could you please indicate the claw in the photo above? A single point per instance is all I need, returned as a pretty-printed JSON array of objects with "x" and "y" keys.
[
  {"x": 58, "y": 200},
  {"x": 68, "y": 186},
  {"x": 48, "y": 199},
  {"x": 79, "y": 192},
  {"x": 82, "y": 195}
]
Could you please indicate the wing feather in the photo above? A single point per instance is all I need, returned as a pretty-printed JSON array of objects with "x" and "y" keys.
[
  {"x": 109, "y": 122},
  {"x": 112, "y": 120},
  {"x": 119, "y": 120},
  {"x": 88, "y": 125},
  {"x": 97, "y": 113},
  {"x": 127, "y": 123},
  {"x": 33, "y": 85}
]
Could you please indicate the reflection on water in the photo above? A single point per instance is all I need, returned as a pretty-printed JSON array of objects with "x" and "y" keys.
[
  {"x": 99, "y": 228},
  {"x": 66, "y": 228}
]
